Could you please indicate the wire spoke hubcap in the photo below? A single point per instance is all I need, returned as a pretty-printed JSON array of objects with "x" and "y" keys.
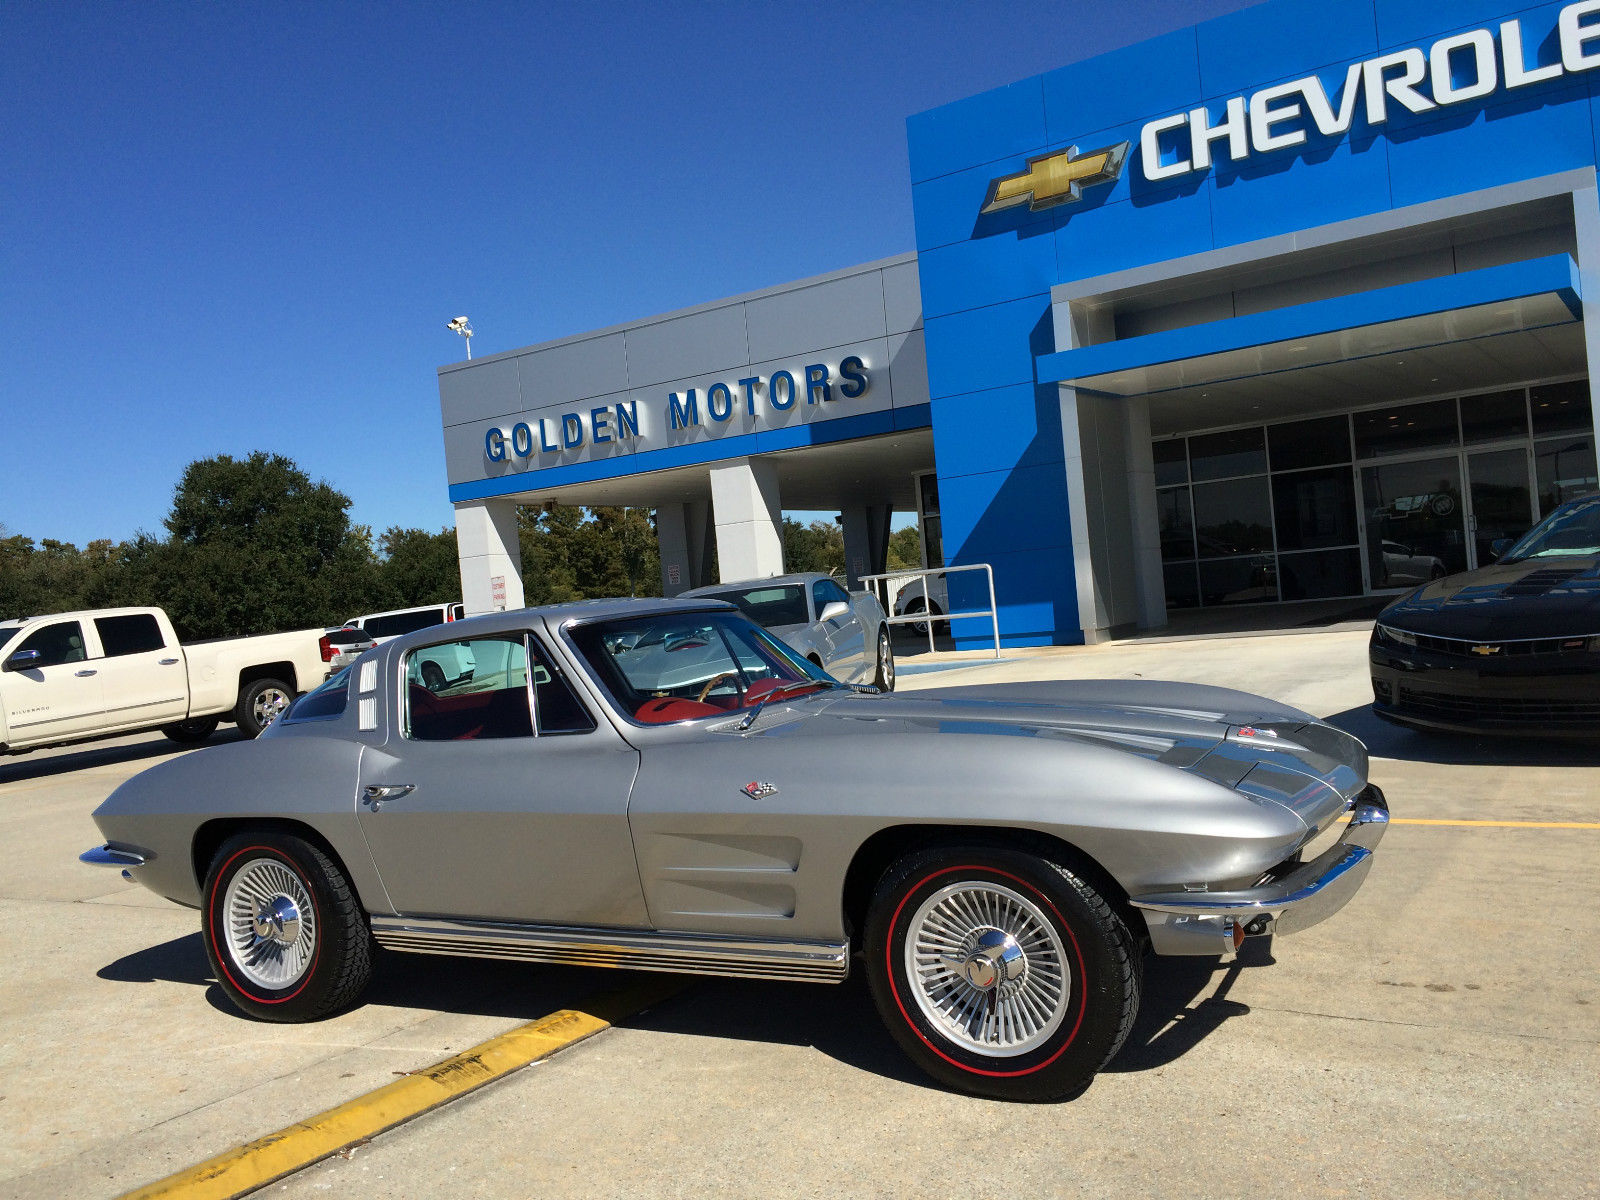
[
  {"x": 987, "y": 968},
  {"x": 271, "y": 925}
]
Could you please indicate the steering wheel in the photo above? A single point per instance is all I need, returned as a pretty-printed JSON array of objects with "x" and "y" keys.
[{"x": 711, "y": 683}]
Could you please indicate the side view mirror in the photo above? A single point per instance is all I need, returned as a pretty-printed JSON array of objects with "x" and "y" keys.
[
  {"x": 22, "y": 660},
  {"x": 833, "y": 611},
  {"x": 1499, "y": 546}
]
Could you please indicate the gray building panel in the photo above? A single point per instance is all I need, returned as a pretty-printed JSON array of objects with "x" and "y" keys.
[
  {"x": 712, "y": 340},
  {"x": 479, "y": 390},
  {"x": 574, "y": 371},
  {"x": 902, "y": 297},
  {"x": 878, "y": 396},
  {"x": 825, "y": 314},
  {"x": 908, "y": 362}
]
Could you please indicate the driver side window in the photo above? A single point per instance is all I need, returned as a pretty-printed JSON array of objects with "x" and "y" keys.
[
  {"x": 56, "y": 644},
  {"x": 469, "y": 689}
]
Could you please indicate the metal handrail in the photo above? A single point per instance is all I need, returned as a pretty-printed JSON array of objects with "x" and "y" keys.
[{"x": 992, "y": 612}]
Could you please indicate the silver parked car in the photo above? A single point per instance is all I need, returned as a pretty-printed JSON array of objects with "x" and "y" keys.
[
  {"x": 843, "y": 632},
  {"x": 664, "y": 785}
]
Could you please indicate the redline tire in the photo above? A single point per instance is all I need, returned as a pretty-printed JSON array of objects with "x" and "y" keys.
[
  {"x": 262, "y": 887},
  {"x": 1040, "y": 1033}
]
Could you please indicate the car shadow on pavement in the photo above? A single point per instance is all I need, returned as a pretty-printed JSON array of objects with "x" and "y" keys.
[
  {"x": 23, "y": 767},
  {"x": 1386, "y": 740},
  {"x": 431, "y": 983},
  {"x": 1185, "y": 1000}
]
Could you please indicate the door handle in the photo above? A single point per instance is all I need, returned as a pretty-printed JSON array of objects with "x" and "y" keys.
[
  {"x": 169, "y": 662},
  {"x": 85, "y": 674},
  {"x": 376, "y": 793}
]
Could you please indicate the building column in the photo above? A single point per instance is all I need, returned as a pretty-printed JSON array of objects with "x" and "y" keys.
[
  {"x": 683, "y": 533},
  {"x": 748, "y": 518},
  {"x": 866, "y": 540},
  {"x": 491, "y": 556},
  {"x": 1586, "y": 221},
  {"x": 1149, "y": 583}
]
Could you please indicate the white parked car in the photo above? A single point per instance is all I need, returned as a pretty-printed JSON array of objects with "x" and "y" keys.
[
  {"x": 924, "y": 594},
  {"x": 385, "y": 625},
  {"x": 73, "y": 677},
  {"x": 843, "y": 632}
]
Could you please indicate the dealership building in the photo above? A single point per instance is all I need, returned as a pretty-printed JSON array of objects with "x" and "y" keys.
[{"x": 1291, "y": 305}]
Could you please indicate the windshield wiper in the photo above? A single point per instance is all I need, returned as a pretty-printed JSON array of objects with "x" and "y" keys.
[{"x": 783, "y": 690}]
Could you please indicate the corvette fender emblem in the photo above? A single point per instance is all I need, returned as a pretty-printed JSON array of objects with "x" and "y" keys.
[
  {"x": 1056, "y": 178},
  {"x": 1486, "y": 649},
  {"x": 757, "y": 790}
]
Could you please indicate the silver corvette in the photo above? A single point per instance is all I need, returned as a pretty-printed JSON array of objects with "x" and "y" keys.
[{"x": 663, "y": 785}]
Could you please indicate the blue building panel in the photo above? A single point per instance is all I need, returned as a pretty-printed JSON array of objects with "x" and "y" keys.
[
  {"x": 946, "y": 208},
  {"x": 1022, "y": 509},
  {"x": 999, "y": 430},
  {"x": 1036, "y": 596},
  {"x": 1333, "y": 182},
  {"x": 1131, "y": 84},
  {"x": 1165, "y": 224},
  {"x": 1413, "y": 22},
  {"x": 994, "y": 125},
  {"x": 976, "y": 274},
  {"x": 987, "y": 347},
  {"x": 1283, "y": 40},
  {"x": 1539, "y": 134}
]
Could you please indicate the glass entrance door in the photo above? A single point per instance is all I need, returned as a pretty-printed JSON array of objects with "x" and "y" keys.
[
  {"x": 1415, "y": 522},
  {"x": 1502, "y": 501}
]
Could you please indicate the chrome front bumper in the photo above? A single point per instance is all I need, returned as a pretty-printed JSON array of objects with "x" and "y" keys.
[
  {"x": 114, "y": 856},
  {"x": 1217, "y": 922}
]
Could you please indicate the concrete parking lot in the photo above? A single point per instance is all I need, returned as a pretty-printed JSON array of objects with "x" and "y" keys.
[{"x": 1441, "y": 1035}]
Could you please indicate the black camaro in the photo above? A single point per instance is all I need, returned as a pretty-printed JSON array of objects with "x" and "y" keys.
[{"x": 1510, "y": 647}]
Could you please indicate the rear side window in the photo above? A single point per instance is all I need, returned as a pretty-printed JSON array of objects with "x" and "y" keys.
[
  {"x": 320, "y": 703},
  {"x": 135, "y": 634},
  {"x": 395, "y": 624}
]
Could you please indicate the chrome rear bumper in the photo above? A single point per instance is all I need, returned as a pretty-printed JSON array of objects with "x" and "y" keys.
[{"x": 1216, "y": 922}]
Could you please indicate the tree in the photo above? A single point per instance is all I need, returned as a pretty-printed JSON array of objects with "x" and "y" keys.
[
  {"x": 818, "y": 546},
  {"x": 577, "y": 554},
  {"x": 418, "y": 567},
  {"x": 905, "y": 549},
  {"x": 254, "y": 546}
]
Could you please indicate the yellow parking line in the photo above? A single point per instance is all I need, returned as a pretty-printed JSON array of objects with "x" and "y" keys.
[
  {"x": 258, "y": 1163},
  {"x": 1499, "y": 824}
]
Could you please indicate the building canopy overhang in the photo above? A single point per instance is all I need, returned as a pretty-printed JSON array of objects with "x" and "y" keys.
[{"x": 1473, "y": 329}]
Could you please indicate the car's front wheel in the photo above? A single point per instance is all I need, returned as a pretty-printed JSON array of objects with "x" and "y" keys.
[
  {"x": 284, "y": 930},
  {"x": 1000, "y": 973},
  {"x": 885, "y": 676}
]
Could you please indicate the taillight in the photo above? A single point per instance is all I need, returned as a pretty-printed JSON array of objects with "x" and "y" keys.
[{"x": 326, "y": 646}]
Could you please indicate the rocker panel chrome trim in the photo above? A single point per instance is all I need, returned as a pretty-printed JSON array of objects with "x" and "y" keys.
[{"x": 690, "y": 953}]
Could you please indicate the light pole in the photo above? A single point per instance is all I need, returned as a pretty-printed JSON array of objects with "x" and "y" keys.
[{"x": 459, "y": 325}]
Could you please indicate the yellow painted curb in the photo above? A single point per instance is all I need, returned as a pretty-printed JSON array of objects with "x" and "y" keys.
[
  {"x": 1498, "y": 824},
  {"x": 258, "y": 1163}
]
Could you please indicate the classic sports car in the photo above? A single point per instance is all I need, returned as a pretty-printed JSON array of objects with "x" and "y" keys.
[
  {"x": 844, "y": 633},
  {"x": 665, "y": 786},
  {"x": 1511, "y": 647}
]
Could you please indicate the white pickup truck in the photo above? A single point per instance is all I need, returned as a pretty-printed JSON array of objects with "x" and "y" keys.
[{"x": 71, "y": 677}]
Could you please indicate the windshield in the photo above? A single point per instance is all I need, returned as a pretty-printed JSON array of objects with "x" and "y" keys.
[
  {"x": 1569, "y": 532},
  {"x": 771, "y": 605},
  {"x": 677, "y": 666}
]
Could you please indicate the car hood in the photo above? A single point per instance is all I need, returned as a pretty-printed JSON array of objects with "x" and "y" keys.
[
  {"x": 1223, "y": 735},
  {"x": 1530, "y": 598}
]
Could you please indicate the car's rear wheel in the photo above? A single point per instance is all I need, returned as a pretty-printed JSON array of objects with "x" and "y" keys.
[
  {"x": 1000, "y": 973},
  {"x": 261, "y": 702},
  {"x": 284, "y": 930},
  {"x": 191, "y": 730},
  {"x": 885, "y": 676}
]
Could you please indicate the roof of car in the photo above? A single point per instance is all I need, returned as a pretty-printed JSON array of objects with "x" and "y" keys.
[
  {"x": 585, "y": 610},
  {"x": 801, "y": 577}
]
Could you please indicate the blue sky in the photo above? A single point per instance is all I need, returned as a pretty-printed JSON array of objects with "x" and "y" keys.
[{"x": 231, "y": 227}]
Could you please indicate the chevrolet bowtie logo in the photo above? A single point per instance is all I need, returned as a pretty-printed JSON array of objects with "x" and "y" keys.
[
  {"x": 1057, "y": 178},
  {"x": 1486, "y": 649}
]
